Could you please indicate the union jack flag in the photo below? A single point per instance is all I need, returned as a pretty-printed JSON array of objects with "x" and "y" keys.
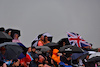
[{"x": 76, "y": 39}]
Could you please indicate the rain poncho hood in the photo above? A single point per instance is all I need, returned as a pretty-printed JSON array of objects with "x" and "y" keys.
[{"x": 55, "y": 57}]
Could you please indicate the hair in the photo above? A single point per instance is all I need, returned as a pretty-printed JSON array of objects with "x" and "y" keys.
[
  {"x": 33, "y": 47},
  {"x": 44, "y": 38},
  {"x": 40, "y": 36},
  {"x": 15, "y": 60},
  {"x": 2, "y": 29}
]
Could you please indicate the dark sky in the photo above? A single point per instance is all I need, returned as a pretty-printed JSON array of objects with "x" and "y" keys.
[{"x": 56, "y": 17}]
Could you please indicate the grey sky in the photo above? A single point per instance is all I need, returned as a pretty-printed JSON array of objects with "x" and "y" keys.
[{"x": 56, "y": 17}]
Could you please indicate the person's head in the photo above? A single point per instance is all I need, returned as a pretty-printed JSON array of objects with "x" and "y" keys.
[
  {"x": 15, "y": 62},
  {"x": 64, "y": 43},
  {"x": 16, "y": 36},
  {"x": 41, "y": 37},
  {"x": 2, "y": 29},
  {"x": 9, "y": 33},
  {"x": 29, "y": 49},
  {"x": 55, "y": 51},
  {"x": 3, "y": 50},
  {"x": 36, "y": 58},
  {"x": 41, "y": 59},
  {"x": 33, "y": 49},
  {"x": 45, "y": 38}
]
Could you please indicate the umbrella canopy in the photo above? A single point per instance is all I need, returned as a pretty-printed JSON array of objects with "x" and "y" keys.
[
  {"x": 43, "y": 48},
  {"x": 94, "y": 59},
  {"x": 94, "y": 55},
  {"x": 52, "y": 45},
  {"x": 35, "y": 41},
  {"x": 49, "y": 36},
  {"x": 81, "y": 55},
  {"x": 70, "y": 48},
  {"x": 91, "y": 52},
  {"x": 4, "y": 37},
  {"x": 13, "y": 50},
  {"x": 60, "y": 42},
  {"x": 24, "y": 51},
  {"x": 13, "y": 31}
]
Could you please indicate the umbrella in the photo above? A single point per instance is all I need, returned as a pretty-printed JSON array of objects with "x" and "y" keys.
[
  {"x": 13, "y": 50},
  {"x": 35, "y": 41},
  {"x": 94, "y": 55},
  {"x": 13, "y": 31},
  {"x": 23, "y": 54},
  {"x": 70, "y": 48},
  {"x": 49, "y": 36},
  {"x": 94, "y": 59},
  {"x": 43, "y": 48},
  {"x": 52, "y": 44},
  {"x": 60, "y": 42},
  {"x": 91, "y": 52},
  {"x": 81, "y": 55},
  {"x": 4, "y": 37}
]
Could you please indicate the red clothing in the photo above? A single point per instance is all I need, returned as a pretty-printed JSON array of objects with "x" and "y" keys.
[{"x": 40, "y": 43}]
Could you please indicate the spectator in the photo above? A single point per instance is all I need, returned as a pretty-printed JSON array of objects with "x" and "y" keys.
[
  {"x": 66, "y": 58},
  {"x": 41, "y": 40},
  {"x": 56, "y": 58},
  {"x": 16, "y": 63},
  {"x": 33, "y": 52},
  {"x": 34, "y": 63},
  {"x": 16, "y": 36},
  {"x": 2, "y": 64},
  {"x": 26, "y": 60},
  {"x": 3, "y": 56},
  {"x": 46, "y": 40}
]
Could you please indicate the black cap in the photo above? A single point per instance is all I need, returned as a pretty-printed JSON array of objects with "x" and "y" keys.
[{"x": 36, "y": 56}]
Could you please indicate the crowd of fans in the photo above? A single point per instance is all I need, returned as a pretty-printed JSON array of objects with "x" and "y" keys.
[{"x": 51, "y": 58}]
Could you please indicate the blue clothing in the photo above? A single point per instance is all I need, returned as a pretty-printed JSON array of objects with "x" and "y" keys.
[{"x": 63, "y": 64}]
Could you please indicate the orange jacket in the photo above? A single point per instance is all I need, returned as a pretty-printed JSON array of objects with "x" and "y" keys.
[{"x": 55, "y": 57}]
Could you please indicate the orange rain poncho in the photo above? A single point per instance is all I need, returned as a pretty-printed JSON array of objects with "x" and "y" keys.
[{"x": 55, "y": 57}]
